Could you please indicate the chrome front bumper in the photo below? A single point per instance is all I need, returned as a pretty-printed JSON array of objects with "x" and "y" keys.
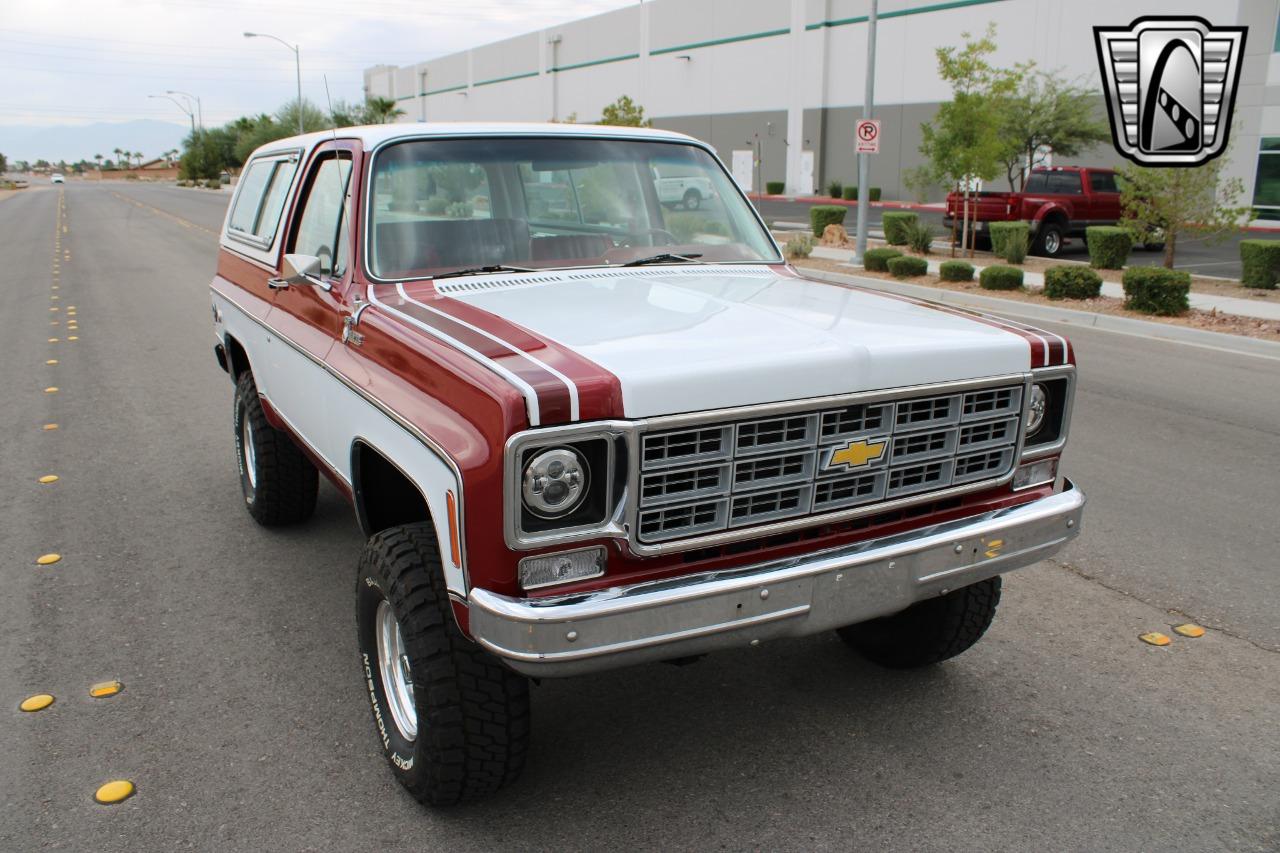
[{"x": 657, "y": 620}]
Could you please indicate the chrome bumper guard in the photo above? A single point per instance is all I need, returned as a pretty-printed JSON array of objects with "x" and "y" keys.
[{"x": 657, "y": 620}]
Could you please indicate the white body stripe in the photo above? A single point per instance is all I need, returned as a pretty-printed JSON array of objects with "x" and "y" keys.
[
  {"x": 530, "y": 395},
  {"x": 568, "y": 383}
]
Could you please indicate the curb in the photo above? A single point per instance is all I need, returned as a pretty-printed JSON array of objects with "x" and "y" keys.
[
  {"x": 1238, "y": 344},
  {"x": 820, "y": 199}
]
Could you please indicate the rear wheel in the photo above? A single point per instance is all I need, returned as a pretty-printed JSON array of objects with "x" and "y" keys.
[
  {"x": 278, "y": 481},
  {"x": 692, "y": 199},
  {"x": 1050, "y": 240},
  {"x": 453, "y": 721},
  {"x": 928, "y": 632}
]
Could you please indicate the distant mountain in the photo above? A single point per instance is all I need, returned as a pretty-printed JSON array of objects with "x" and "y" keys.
[{"x": 81, "y": 141}]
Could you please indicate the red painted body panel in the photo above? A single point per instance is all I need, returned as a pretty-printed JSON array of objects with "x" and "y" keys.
[{"x": 1086, "y": 207}]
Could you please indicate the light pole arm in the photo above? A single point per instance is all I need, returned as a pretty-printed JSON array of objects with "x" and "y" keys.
[{"x": 297, "y": 67}]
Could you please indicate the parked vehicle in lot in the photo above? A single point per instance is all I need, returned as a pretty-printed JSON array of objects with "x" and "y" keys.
[
  {"x": 578, "y": 441},
  {"x": 57, "y": 178},
  {"x": 1059, "y": 202},
  {"x": 687, "y": 191}
]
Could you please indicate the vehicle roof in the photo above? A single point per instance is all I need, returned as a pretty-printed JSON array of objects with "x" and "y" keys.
[
  {"x": 376, "y": 134},
  {"x": 1072, "y": 169}
]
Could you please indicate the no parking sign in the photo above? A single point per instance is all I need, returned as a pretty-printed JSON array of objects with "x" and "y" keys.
[{"x": 868, "y": 136}]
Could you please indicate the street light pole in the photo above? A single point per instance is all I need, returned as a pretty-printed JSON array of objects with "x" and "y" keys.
[
  {"x": 864, "y": 161},
  {"x": 196, "y": 98},
  {"x": 186, "y": 109},
  {"x": 297, "y": 67}
]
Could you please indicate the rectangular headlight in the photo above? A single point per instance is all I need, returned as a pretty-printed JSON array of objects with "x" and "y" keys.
[{"x": 549, "y": 569}]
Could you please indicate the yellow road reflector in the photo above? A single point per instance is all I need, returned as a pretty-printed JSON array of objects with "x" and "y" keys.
[
  {"x": 51, "y": 361},
  {"x": 1155, "y": 638},
  {"x": 55, "y": 296},
  {"x": 54, "y": 323},
  {"x": 38, "y": 702},
  {"x": 103, "y": 689},
  {"x": 49, "y": 478},
  {"x": 1189, "y": 630},
  {"x": 115, "y": 791},
  {"x": 52, "y": 389},
  {"x": 53, "y": 340},
  {"x": 72, "y": 338},
  {"x": 48, "y": 559},
  {"x": 53, "y": 307},
  {"x": 47, "y": 427}
]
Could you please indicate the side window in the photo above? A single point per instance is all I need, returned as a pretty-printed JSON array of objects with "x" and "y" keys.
[
  {"x": 321, "y": 227},
  {"x": 549, "y": 195},
  {"x": 1103, "y": 182},
  {"x": 264, "y": 188},
  {"x": 1065, "y": 182},
  {"x": 1036, "y": 183}
]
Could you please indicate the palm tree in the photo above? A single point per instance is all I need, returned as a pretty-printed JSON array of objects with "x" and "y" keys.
[
  {"x": 98, "y": 158},
  {"x": 119, "y": 152},
  {"x": 381, "y": 110}
]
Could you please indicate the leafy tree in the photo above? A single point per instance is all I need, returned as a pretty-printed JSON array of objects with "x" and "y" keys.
[
  {"x": 1047, "y": 113},
  {"x": 4, "y": 164},
  {"x": 1174, "y": 202},
  {"x": 964, "y": 142},
  {"x": 625, "y": 112},
  {"x": 208, "y": 153}
]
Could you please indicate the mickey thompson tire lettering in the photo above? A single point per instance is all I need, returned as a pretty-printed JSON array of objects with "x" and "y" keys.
[
  {"x": 473, "y": 712},
  {"x": 284, "y": 484}
]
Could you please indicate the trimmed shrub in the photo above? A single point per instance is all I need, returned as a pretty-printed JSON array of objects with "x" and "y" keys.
[
  {"x": 907, "y": 266},
  {"x": 800, "y": 246},
  {"x": 688, "y": 225},
  {"x": 920, "y": 237},
  {"x": 873, "y": 193},
  {"x": 1000, "y": 277},
  {"x": 851, "y": 193},
  {"x": 1261, "y": 259},
  {"x": 955, "y": 271},
  {"x": 1156, "y": 290},
  {"x": 822, "y": 215},
  {"x": 896, "y": 225},
  {"x": 1010, "y": 240},
  {"x": 1072, "y": 282},
  {"x": 774, "y": 187},
  {"x": 213, "y": 184},
  {"x": 1109, "y": 246},
  {"x": 877, "y": 260},
  {"x": 835, "y": 189}
]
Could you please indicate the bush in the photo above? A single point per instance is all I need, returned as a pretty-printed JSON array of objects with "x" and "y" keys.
[
  {"x": 213, "y": 184},
  {"x": 920, "y": 237},
  {"x": 851, "y": 193},
  {"x": 800, "y": 246},
  {"x": 873, "y": 194},
  {"x": 774, "y": 187},
  {"x": 1072, "y": 282},
  {"x": 955, "y": 271},
  {"x": 1156, "y": 290},
  {"x": 459, "y": 210},
  {"x": 822, "y": 215},
  {"x": 1261, "y": 259},
  {"x": 877, "y": 260},
  {"x": 1010, "y": 240},
  {"x": 1109, "y": 246},
  {"x": 436, "y": 205},
  {"x": 687, "y": 225},
  {"x": 1000, "y": 277},
  {"x": 906, "y": 266},
  {"x": 835, "y": 189},
  {"x": 896, "y": 225}
]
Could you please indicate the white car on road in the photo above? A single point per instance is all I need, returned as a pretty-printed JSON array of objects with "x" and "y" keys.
[{"x": 57, "y": 178}]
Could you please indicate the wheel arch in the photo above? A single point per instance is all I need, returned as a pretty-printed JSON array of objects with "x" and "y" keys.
[{"x": 237, "y": 357}]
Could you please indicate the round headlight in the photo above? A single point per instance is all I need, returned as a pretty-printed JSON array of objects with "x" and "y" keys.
[
  {"x": 1036, "y": 411},
  {"x": 555, "y": 482}
]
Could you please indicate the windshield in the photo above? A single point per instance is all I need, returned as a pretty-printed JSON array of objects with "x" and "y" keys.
[{"x": 448, "y": 204}]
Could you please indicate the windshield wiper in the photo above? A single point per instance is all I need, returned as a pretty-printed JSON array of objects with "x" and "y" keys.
[
  {"x": 481, "y": 270},
  {"x": 665, "y": 258}
]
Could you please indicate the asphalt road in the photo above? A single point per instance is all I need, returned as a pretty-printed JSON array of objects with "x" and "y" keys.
[
  {"x": 244, "y": 725},
  {"x": 1197, "y": 255}
]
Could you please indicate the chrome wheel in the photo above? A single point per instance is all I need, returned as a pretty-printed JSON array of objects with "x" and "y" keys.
[
  {"x": 1052, "y": 243},
  {"x": 397, "y": 677},
  {"x": 247, "y": 451}
]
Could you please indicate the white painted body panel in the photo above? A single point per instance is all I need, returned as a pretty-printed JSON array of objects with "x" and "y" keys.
[
  {"x": 695, "y": 338},
  {"x": 346, "y": 417}
]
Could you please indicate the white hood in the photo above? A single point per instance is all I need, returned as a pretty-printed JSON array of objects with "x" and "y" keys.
[{"x": 684, "y": 339}]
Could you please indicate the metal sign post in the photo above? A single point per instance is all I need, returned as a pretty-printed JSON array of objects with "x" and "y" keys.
[{"x": 863, "y": 163}]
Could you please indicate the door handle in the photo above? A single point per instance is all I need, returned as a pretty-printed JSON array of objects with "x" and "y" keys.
[{"x": 277, "y": 283}]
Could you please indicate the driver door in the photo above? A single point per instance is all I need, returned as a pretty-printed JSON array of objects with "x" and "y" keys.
[{"x": 309, "y": 315}]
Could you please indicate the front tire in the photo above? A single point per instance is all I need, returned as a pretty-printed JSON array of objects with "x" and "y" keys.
[
  {"x": 928, "y": 632},
  {"x": 278, "y": 481},
  {"x": 453, "y": 721},
  {"x": 692, "y": 199}
]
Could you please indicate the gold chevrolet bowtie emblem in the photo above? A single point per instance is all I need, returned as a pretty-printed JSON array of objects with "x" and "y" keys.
[{"x": 857, "y": 453}]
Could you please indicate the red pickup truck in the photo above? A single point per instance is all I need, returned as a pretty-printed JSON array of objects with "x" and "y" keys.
[{"x": 1059, "y": 202}]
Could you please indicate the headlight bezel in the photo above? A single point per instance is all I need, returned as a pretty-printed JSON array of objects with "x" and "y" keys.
[{"x": 1050, "y": 438}]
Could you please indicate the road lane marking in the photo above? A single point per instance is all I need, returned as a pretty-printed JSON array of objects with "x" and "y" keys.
[
  {"x": 185, "y": 223},
  {"x": 49, "y": 427},
  {"x": 38, "y": 702},
  {"x": 48, "y": 559},
  {"x": 115, "y": 791},
  {"x": 103, "y": 689},
  {"x": 51, "y": 361},
  {"x": 1155, "y": 638},
  {"x": 72, "y": 338},
  {"x": 1189, "y": 630},
  {"x": 48, "y": 478},
  {"x": 52, "y": 389}
]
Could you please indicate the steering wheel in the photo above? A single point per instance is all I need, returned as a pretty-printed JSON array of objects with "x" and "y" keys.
[{"x": 669, "y": 239}]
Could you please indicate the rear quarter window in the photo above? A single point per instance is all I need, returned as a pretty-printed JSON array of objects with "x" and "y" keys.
[
  {"x": 260, "y": 199},
  {"x": 1103, "y": 182}
]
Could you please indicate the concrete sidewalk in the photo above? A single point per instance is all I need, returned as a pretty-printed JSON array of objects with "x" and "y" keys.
[{"x": 1035, "y": 281}]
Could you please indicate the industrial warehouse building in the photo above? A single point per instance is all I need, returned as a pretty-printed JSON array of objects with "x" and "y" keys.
[{"x": 777, "y": 85}]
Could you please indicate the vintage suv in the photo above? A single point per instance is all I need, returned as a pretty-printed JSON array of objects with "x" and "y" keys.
[{"x": 582, "y": 431}]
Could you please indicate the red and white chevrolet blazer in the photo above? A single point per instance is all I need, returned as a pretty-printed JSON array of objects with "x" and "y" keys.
[{"x": 582, "y": 429}]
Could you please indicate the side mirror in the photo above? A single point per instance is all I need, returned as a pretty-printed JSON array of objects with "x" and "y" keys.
[{"x": 299, "y": 269}]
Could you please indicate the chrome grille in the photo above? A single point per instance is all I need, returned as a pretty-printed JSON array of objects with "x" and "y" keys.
[{"x": 710, "y": 477}]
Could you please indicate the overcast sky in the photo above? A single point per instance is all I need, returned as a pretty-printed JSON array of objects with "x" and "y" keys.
[{"x": 77, "y": 61}]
